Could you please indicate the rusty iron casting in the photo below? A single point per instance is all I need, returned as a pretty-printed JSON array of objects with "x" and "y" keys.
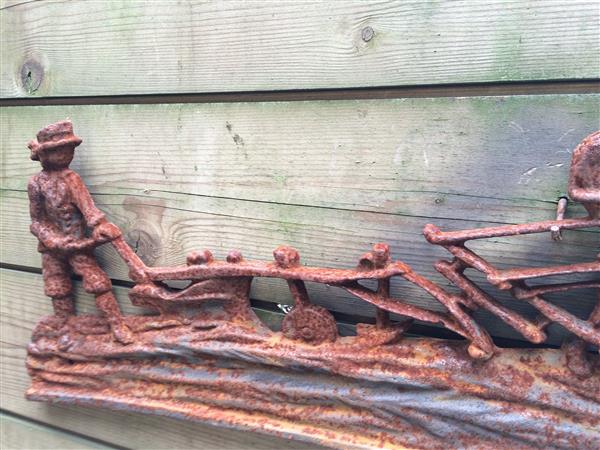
[
  {"x": 61, "y": 210},
  {"x": 205, "y": 355},
  {"x": 584, "y": 186}
]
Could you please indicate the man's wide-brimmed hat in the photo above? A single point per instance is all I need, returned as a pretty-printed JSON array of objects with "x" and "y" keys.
[{"x": 53, "y": 136}]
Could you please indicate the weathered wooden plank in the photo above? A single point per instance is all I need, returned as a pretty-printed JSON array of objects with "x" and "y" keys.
[
  {"x": 20, "y": 307},
  {"x": 137, "y": 47},
  {"x": 163, "y": 234},
  {"x": 497, "y": 159},
  {"x": 16, "y": 433}
]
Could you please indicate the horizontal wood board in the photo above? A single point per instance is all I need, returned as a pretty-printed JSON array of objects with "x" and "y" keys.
[
  {"x": 64, "y": 49},
  {"x": 330, "y": 178},
  {"x": 495, "y": 159},
  {"x": 21, "y": 307},
  {"x": 17, "y": 433}
]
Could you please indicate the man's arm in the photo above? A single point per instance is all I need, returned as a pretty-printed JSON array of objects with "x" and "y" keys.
[
  {"x": 103, "y": 231},
  {"x": 40, "y": 227},
  {"x": 84, "y": 202}
]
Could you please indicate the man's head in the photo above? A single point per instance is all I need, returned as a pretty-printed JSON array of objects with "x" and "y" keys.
[
  {"x": 584, "y": 177},
  {"x": 55, "y": 145}
]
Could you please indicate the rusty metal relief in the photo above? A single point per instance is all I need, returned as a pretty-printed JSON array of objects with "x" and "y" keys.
[{"x": 204, "y": 355}]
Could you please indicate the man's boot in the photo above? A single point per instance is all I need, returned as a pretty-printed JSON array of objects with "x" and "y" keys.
[
  {"x": 64, "y": 307},
  {"x": 107, "y": 303}
]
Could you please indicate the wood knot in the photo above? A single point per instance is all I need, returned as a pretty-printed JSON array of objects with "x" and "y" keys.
[
  {"x": 367, "y": 34},
  {"x": 144, "y": 245},
  {"x": 32, "y": 75}
]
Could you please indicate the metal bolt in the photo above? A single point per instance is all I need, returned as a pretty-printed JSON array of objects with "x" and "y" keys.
[
  {"x": 234, "y": 256},
  {"x": 195, "y": 258},
  {"x": 561, "y": 207},
  {"x": 286, "y": 257}
]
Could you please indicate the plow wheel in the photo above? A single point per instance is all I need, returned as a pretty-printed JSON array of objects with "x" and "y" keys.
[{"x": 311, "y": 323}]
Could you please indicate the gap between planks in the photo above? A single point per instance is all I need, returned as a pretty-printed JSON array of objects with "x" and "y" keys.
[{"x": 591, "y": 86}]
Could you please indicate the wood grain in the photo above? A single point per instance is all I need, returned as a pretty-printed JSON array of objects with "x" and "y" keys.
[
  {"x": 21, "y": 306},
  {"x": 496, "y": 159},
  {"x": 16, "y": 433},
  {"x": 136, "y": 47}
]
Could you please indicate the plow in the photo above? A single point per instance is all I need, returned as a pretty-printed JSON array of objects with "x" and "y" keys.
[{"x": 230, "y": 281}]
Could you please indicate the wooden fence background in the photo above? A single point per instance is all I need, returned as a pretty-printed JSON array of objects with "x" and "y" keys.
[{"x": 328, "y": 126}]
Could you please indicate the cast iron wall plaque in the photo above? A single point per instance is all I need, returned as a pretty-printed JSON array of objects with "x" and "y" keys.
[{"x": 204, "y": 355}]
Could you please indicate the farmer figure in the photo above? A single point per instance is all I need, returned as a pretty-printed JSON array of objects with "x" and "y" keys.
[{"x": 68, "y": 226}]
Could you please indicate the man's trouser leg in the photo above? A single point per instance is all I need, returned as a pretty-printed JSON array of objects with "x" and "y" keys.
[
  {"x": 57, "y": 284},
  {"x": 96, "y": 282}
]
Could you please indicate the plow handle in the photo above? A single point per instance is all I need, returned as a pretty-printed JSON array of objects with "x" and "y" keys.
[{"x": 137, "y": 268}]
